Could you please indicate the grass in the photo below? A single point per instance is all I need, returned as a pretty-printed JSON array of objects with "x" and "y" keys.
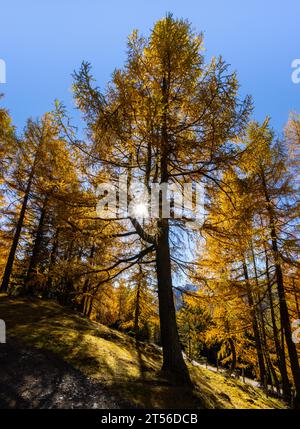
[{"x": 129, "y": 369}]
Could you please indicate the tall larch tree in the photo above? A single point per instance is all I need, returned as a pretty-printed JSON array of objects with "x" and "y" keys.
[{"x": 166, "y": 117}]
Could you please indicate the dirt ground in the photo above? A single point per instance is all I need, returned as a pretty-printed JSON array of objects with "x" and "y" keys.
[{"x": 30, "y": 378}]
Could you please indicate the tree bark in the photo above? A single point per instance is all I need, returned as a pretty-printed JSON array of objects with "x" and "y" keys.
[
  {"x": 233, "y": 354},
  {"x": 173, "y": 362},
  {"x": 83, "y": 307},
  {"x": 12, "y": 252},
  {"x": 137, "y": 304},
  {"x": 257, "y": 339},
  {"x": 279, "y": 350},
  {"x": 272, "y": 376},
  {"x": 296, "y": 298},
  {"x": 52, "y": 259},
  {"x": 14, "y": 245},
  {"x": 284, "y": 313},
  {"x": 35, "y": 256}
]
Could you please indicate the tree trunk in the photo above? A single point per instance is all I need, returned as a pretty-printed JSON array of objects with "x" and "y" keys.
[
  {"x": 173, "y": 362},
  {"x": 137, "y": 304},
  {"x": 89, "y": 306},
  {"x": 285, "y": 320},
  {"x": 284, "y": 313},
  {"x": 233, "y": 354},
  {"x": 12, "y": 252},
  {"x": 257, "y": 339},
  {"x": 34, "y": 260},
  {"x": 296, "y": 298},
  {"x": 260, "y": 312},
  {"x": 52, "y": 259},
  {"x": 83, "y": 306},
  {"x": 14, "y": 245},
  {"x": 279, "y": 350}
]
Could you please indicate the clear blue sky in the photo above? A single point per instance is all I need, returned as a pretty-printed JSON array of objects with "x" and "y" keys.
[{"x": 42, "y": 42}]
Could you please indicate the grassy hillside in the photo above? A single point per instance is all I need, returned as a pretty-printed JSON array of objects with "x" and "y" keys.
[{"x": 127, "y": 368}]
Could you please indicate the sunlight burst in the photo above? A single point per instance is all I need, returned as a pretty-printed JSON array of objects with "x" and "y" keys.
[{"x": 141, "y": 210}]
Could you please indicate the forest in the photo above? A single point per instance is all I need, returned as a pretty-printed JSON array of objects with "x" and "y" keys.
[{"x": 225, "y": 290}]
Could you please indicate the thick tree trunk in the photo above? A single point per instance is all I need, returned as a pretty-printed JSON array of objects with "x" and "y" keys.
[{"x": 173, "y": 362}]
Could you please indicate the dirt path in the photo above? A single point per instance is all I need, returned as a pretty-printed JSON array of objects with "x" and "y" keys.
[{"x": 31, "y": 378}]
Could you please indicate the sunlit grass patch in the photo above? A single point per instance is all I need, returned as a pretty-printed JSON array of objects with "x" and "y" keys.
[{"x": 128, "y": 368}]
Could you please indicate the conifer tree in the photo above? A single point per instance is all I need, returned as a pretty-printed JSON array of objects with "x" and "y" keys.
[{"x": 166, "y": 117}]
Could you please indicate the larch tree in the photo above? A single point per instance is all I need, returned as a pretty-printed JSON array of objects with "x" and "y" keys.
[
  {"x": 8, "y": 148},
  {"x": 22, "y": 176},
  {"x": 166, "y": 117},
  {"x": 275, "y": 192},
  {"x": 226, "y": 269}
]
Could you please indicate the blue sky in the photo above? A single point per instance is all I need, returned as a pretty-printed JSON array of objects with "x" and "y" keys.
[{"x": 42, "y": 42}]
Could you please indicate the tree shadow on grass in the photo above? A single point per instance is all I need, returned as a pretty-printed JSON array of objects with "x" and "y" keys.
[{"x": 32, "y": 378}]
